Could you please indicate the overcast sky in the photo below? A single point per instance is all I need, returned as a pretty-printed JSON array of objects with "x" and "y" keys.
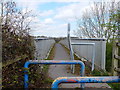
[{"x": 53, "y": 15}]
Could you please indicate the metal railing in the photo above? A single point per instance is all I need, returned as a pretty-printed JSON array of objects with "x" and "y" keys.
[
  {"x": 72, "y": 53},
  {"x": 26, "y": 66},
  {"x": 107, "y": 79},
  {"x": 93, "y": 57},
  {"x": 71, "y": 49},
  {"x": 85, "y": 51}
]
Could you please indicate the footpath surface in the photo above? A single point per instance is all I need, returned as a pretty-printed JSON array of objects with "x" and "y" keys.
[{"x": 56, "y": 71}]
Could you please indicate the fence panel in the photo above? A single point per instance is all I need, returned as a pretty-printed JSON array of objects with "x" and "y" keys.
[
  {"x": 86, "y": 51},
  {"x": 42, "y": 47}
]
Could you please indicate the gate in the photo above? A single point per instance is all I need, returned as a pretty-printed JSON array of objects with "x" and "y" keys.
[{"x": 26, "y": 66}]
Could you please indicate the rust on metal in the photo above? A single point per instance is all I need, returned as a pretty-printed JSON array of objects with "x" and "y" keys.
[
  {"x": 71, "y": 80},
  {"x": 107, "y": 79}
]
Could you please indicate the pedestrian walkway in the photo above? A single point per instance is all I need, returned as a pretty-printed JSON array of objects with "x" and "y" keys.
[{"x": 56, "y": 71}]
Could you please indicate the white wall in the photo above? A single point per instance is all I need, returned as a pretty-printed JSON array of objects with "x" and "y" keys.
[
  {"x": 42, "y": 47},
  {"x": 86, "y": 51}
]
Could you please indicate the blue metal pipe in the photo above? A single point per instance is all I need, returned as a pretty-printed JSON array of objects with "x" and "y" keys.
[
  {"x": 107, "y": 79},
  {"x": 26, "y": 66}
]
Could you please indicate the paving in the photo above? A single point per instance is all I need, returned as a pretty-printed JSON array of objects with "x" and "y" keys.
[{"x": 56, "y": 71}]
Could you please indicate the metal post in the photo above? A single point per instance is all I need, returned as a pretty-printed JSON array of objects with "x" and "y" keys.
[
  {"x": 107, "y": 79},
  {"x": 71, "y": 49},
  {"x": 115, "y": 55},
  {"x": 93, "y": 58},
  {"x": 82, "y": 71}
]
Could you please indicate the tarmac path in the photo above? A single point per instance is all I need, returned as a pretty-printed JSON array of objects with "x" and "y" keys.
[{"x": 56, "y": 71}]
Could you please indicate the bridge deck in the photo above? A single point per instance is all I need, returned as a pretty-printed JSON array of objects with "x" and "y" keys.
[{"x": 56, "y": 71}]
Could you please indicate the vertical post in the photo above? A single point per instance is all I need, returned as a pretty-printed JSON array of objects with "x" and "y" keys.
[
  {"x": 71, "y": 50},
  {"x": 26, "y": 75},
  {"x": 115, "y": 52},
  {"x": 103, "y": 54},
  {"x": 114, "y": 60},
  {"x": 93, "y": 57},
  {"x": 119, "y": 43},
  {"x": 1, "y": 20}
]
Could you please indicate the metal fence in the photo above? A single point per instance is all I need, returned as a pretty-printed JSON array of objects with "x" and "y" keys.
[
  {"x": 43, "y": 47},
  {"x": 86, "y": 51}
]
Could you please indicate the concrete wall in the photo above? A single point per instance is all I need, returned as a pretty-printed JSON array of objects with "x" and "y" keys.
[
  {"x": 86, "y": 51},
  {"x": 43, "y": 47}
]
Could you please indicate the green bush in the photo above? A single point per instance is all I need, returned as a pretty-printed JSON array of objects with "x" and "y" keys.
[
  {"x": 109, "y": 56},
  {"x": 16, "y": 40}
]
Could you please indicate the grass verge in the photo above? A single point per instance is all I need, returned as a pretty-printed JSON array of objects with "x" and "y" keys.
[
  {"x": 48, "y": 81},
  {"x": 52, "y": 53},
  {"x": 41, "y": 78}
]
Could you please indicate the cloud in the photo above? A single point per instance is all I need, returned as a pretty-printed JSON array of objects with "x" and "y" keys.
[
  {"x": 53, "y": 26},
  {"x": 39, "y": 1},
  {"x": 29, "y": 4},
  {"x": 41, "y": 25},
  {"x": 52, "y": 22},
  {"x": 70, "y": 12},
  {"x": 112, "y": 0},
  {"x": 55, "y": 30},
  {"x": 46, "y": 13},
  {"x": 48, "y": 21}
]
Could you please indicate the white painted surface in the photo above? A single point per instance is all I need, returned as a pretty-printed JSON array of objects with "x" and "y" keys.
[{"x": 86, "y": 51}]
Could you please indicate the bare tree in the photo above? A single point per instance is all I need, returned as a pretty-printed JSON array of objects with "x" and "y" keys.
[{"x": 93, "y": 21}]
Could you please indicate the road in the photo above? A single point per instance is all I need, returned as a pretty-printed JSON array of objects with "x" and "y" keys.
[{"x": 56, "y": 71}]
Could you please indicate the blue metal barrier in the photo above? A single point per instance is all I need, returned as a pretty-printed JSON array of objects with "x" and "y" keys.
[
  {"x": 107, "y": 79},
  {"x": 26, "y": 66}
]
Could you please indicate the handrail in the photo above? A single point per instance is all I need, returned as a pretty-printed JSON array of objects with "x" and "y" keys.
[
  {"x": 93, "y": 57},
  {"x": 26, "y": 66},
  {"x": 106, "y": 79}
]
